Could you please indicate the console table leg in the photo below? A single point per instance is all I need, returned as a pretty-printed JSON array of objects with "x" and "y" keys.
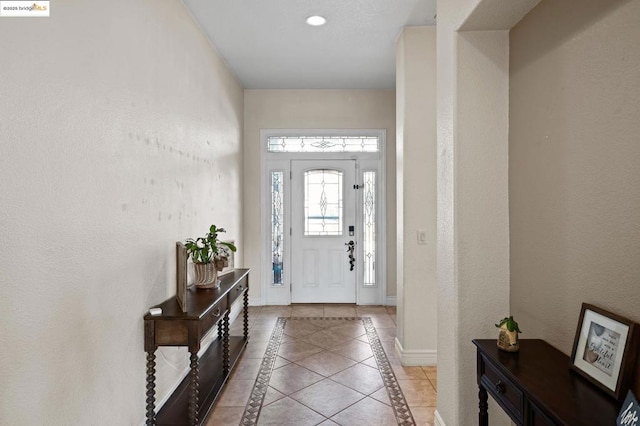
[
  {"x": 195, "y": 384},
  {"x": 246, "y": 314},
  {"x": 225, "y": 343},
  {"x": 151, "y": 388},
  {"x": 483, "y": 415}
]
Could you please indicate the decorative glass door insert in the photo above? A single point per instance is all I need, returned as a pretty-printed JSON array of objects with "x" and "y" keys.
[{"x": 323, "y": 202}]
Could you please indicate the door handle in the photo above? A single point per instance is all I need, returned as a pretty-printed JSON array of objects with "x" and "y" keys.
[{"x": 351, "y": 245}]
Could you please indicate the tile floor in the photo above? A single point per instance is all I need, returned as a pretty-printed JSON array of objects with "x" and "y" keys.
[{"x": 329, "y": 376}]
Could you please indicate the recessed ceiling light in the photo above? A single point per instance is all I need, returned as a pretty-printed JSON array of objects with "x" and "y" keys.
[{"x": 316, "y": 20}]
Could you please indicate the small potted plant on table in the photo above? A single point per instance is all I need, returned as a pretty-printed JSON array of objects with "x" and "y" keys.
[
  {"x": 508, "y": 338},
  {"x": 209, "y": 255}
]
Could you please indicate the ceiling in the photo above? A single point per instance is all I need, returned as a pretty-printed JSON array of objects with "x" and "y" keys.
[{"x": 268, "y": 45}]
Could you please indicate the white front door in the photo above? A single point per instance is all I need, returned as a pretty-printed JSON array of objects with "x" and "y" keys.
[{"x": 323, "y": 215}]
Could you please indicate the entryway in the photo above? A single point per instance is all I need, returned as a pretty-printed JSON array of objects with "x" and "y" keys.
[
  {"x": 323, "y": 212},
  {"x": 323, "y": 228}
]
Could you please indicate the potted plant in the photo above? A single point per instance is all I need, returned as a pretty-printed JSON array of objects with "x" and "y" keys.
[
  {"x": 209, "y": 255},
  {"x": 508, "y": 337}
]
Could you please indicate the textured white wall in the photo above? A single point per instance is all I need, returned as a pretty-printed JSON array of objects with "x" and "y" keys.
[
  {"x": 473, "y": 222},
  {"x": 416, "y": 208},
  {"x": 312, "y": 109},
  {"x": 574, "y": 165},
  {"x": 121, "y": 134}
]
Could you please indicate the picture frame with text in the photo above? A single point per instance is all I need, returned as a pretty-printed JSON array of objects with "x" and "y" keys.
[{"x": 605, "y": 349}]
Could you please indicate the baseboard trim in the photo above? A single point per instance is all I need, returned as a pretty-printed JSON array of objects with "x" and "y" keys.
[
  {"x": 437, "y": 419},
  {"x": 391, "y": 301},
  {"x": 415, "y": 357},
  {"x": 255, "y": 301}
]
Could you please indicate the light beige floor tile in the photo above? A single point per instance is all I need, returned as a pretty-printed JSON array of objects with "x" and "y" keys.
[
  {"x": 366, "y": 311},
  {"x": 366, "y": 412},
  {"x": 363, "y": 338},
  {"x": 272, "y": 395},
  {"x": 384, "y": 321},
  {"x": 225, "y": 416},
  {"x": 391, "y": 310},
  {"x": 300, "y": 328},
  {"x": 325, "y": 339},
  {"x": 431, "y": 372},
  {"x": 434, "y": 383},
  {"x": 424, "y": 416},
  {"x": 265, "y": 322},
  {"x": 255, "y": 349},
  {"x": 236, "y": 393},
  {"x": 371, "y": 362},
  {"x": 307, "y": 311},
  {"x": 259, "y": 336},
  {"x": 288, "y": 412},
  {"x": 294, "y": 351},
  {"x": 329, "y": 324},
  {"x": 418, "y": 392},
  {"x": 407, "y": 372},
  {"x": 327, "y": 397},
  {"x": 348, "y": 330},
  {"x": 326, "y": 363},
  {"x": 360, "y": 377},
  {"x": 328, "y": 423},
  {"x": 355, "y": 349},
  {"x": 389, "y": 349},
  {"x": 286, "y": 338},
  {"x": 246, "y": 369},
  {"x": 386, "y": 334},
  {"x": 280, "y": 362},
  {"x": 291, "y": 378},
  {"x": 273, "y": 312},
  {"x": 340, "y": 311},
  {"x": 381, "y": 395}
]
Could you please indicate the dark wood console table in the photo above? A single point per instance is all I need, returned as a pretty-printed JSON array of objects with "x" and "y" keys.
[
  {"x": 205, "y": 308},
  {"x": 536, "y": 387}
]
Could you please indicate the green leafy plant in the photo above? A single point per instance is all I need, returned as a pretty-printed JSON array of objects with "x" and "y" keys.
[
  {"x": 511, "y": 324},
  {"x": 209, "y": 248}
]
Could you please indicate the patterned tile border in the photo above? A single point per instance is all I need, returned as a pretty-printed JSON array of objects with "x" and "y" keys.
[
  {"x": 254, "y": 405},
  {"x": 398, "y": 402}
]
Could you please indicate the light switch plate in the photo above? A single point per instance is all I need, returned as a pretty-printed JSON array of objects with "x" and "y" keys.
[{"x": 422, "y": 236}]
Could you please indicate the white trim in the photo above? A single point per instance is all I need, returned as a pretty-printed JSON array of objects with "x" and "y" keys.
[
  {"x": 415, "y": 357},
  {"x": 273, "y": 161},
  {"x": 391, "y": 301},
  {"x": 437, "y": 419}
]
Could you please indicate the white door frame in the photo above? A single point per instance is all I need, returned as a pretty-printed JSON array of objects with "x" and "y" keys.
[{"x": 270, "y": 161}]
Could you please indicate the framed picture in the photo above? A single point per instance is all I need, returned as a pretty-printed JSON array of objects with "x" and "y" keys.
[
  {"x": 604, "y": 349},
  {"x": 181, "y": 275},
  {"x": 229, "y": 264}
]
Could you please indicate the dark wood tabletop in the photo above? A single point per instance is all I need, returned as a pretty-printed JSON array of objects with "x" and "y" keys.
[{"x": 543, "y": 374}]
